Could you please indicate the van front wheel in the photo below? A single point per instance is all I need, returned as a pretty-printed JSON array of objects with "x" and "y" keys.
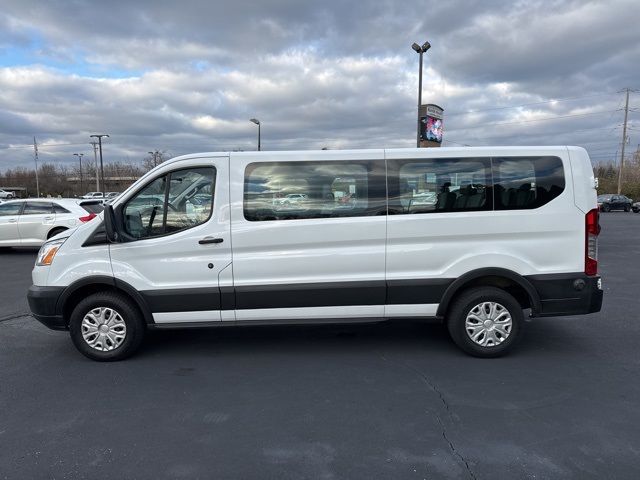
[
  {"x": 106, "y": 326},
  {"x": 485, "y": 321}
]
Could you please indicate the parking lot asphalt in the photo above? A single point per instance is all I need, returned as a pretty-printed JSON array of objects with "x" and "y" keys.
[{"x": 392, "y": 400}]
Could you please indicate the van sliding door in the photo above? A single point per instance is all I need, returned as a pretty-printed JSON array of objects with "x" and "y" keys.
[{"x": 309, "y": 235}]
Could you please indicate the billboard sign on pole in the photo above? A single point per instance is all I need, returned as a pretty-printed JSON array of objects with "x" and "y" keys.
[{"x": 431, "y": 125}]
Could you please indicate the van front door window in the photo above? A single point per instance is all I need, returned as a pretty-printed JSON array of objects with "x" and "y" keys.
[{"x": 171, "y": 203}]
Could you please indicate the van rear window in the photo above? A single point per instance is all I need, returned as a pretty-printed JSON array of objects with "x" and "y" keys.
[
  {"x": 442, "y": 185},
  {"x": 526, "y": 182}
]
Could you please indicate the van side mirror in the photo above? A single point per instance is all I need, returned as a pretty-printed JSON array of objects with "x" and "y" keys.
[{"x": 110, "y": 224}]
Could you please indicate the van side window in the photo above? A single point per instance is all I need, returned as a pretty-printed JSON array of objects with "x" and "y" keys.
[
  {"x": 171, "y": 203},
  {"x": 302, "y": 190},
  {"x": 439, "y": 185},
  {"x": 526, "y": 182}
]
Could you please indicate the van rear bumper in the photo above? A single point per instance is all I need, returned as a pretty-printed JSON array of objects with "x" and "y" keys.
[
  {"x": 43, "y": 303},
  {"x": 567, "y": 294}
]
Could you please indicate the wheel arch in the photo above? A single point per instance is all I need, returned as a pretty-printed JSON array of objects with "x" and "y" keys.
[
  {"x": 57, "y": 229},
  {"x": 71, "y": 295},
  {"x": 512, "y": 282}
]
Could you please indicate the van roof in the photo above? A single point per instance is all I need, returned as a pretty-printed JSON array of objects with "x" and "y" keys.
[{"x": 466, "y": 151}]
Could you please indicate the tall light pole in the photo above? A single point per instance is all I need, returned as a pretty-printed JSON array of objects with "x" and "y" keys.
[
  {"x": 99, "y": 137},
  {"x": 156, "y": 157},
  {"x": 257, "y": 122},
  {"x": 94, "y": 144},
  {"x": 80, "y": 155},
  {"x": 420, "y": 49},
  {"x": 35, "y": 157}
]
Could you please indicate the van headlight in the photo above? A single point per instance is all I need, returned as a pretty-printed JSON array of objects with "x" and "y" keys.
[{"x": 48, "y": 252}]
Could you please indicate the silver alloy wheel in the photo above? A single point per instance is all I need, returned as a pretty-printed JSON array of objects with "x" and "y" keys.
[
  {"x": 488, "y": 324},
  {"x": 103, "y": 329}
]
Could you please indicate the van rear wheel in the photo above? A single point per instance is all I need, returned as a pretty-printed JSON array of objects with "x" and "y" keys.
[
  {"x": 485, "y": 321},
  {"x": 106, "y": 326}
]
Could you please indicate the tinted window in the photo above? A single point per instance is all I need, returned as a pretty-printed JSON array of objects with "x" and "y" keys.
[
  {"x": 7, "y": 209},
  {"x": 59, "y": 209},
  {"x": 37, "y": 208},
  {"x": 92, "y": 207},
  {"x": 173, "y": 202},
  {"x": 299, "y": 190},
  {"x": 526, "y": 182},
  {"x": 439, "y": 185}
]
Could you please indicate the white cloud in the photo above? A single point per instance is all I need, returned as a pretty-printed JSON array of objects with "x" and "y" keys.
[{"x": 187, "y": 77}]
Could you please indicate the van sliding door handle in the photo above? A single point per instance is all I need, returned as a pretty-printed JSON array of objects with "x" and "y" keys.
[{"x": 206, "y": 240}]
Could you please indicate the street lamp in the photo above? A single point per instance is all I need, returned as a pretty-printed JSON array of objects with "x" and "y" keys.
[
  {"x": 80, "y": 155},
  {"x": 420, "y": 49},
  {"x": 99, "y": 137},
  {"x": 257, "y": 122}
]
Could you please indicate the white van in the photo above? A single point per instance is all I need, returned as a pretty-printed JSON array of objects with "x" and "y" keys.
[{"x": 472, "y": 236}]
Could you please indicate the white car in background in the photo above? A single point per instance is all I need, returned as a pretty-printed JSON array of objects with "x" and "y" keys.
[
  {"x": 31, "y": 222},
  {"x": 292, "y": 199},
  {"x": 94, "y": 195},
  {"x": 6, "y": 195}
]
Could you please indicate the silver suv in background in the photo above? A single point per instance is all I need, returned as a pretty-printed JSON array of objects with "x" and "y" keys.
[
  {"x": 30, "y": 222},
  {"x": 6, "y": 195}
]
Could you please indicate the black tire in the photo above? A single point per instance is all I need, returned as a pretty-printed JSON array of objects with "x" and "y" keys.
[
  {"x": 128, "y": 311},
  {"x": 605, "y": 207},
  {"x": 627, "y": 208},
  {"x": 54, "y": 232},
  {"x": 465, "y": 303}
]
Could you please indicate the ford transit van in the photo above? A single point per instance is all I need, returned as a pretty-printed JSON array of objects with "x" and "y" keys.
[{"x": 476, "y": 237}]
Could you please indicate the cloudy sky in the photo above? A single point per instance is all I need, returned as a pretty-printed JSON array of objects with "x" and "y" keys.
[{"x": 186, "y": 76}]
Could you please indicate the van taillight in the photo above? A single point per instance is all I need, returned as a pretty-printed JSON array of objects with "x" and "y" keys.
[
  {"x": 592, "y": 229},
  {"x": 87, "y": 218}
]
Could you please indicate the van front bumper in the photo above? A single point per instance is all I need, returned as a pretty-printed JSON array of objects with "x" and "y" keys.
[
  {"x": 43, "y": 302},
  {"x": 567, "y": 294}
]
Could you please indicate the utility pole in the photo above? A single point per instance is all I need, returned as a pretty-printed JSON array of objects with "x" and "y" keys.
[
  {"x": 99, "y": 137},
  {"x": 624, "y": 140},
  {"x": 35, "y": 157},
  {"x": 95, "y": 162}
]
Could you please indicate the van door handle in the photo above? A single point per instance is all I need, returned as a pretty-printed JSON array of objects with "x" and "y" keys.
[{"x": 206, "y": 240}]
